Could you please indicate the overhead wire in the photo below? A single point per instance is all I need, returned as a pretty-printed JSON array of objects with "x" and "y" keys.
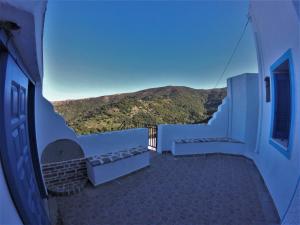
[{"x": 233, "y": 53}]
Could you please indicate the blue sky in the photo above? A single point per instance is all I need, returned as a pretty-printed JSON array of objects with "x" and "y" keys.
[{"x": 94, "y": 48}]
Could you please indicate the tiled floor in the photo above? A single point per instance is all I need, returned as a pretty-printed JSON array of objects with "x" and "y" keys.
[{"x": 207, "y": 189}]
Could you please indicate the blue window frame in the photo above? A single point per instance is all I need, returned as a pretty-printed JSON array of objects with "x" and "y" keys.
[{"x": 282, "y": 120}]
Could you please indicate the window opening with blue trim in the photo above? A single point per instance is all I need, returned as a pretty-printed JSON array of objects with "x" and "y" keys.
[{"x": 282, "y": 103}]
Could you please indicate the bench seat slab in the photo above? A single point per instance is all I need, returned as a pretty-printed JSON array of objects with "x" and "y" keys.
[
  {"x": 105, "y": 172},
  {"x": 203, "y": 147}
]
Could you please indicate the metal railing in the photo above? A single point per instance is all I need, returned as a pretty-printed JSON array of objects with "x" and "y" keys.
[
  {"x": 152, "y": 132},
  {"x": 152, "y": 135}
]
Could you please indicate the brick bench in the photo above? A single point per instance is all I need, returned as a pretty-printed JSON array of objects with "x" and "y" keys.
[
  {"x": 109, "y": 166},
  {"x": 206, "y": 145}
]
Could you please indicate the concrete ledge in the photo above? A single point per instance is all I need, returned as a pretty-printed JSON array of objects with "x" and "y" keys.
[
  {"x": 102, "y": 173},
  {"x": 205, "y": 140},
  {"x": 191, "y": 148},
  {"x": 114, "y": 156}
]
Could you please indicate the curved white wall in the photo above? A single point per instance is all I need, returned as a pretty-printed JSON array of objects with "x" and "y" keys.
[{"x": 276, "y": 27}]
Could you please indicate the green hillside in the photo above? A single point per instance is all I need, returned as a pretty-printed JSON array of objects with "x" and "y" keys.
[{"x": 171, "y": 104}]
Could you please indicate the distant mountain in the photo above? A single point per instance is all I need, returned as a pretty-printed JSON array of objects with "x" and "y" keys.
[{"x": 170, "y": 104}]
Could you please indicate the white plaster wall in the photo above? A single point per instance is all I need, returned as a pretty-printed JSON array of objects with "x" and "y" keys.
[
  {"x": 49, "y": 125},
  {"x": 252, "y": 112},
  {"x": 244, "y": 108},
  {"x": 8, "y": 212},
  {"x": 95, "y": 144},
  {"x": 237, "y": 86},
  {"x": 236, "y": 117},
  {"x": 276, "y": 26},
  {"x": 167, "y": 133},
  {"x": 220, "y": 118}
]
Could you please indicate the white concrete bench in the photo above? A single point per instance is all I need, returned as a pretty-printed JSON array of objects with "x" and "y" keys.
[
  {"x": 109, "y": 166},
  {"x": 195, "y": 146}
]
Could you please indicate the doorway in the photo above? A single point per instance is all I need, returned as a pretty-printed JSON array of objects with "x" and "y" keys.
[{"x": 16, "y": 141}]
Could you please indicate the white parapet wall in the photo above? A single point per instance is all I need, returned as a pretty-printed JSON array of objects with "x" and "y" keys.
[
  {"x": 95, "y": 144},
  {"x": 168, "y": 133},
  {"x": 49, "y": 125},
  {"x": 216, "y": 127},
  {"x": 236, "y": 117}
]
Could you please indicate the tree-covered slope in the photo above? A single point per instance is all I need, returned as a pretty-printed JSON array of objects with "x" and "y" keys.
[{"x": 171, "y": 104}]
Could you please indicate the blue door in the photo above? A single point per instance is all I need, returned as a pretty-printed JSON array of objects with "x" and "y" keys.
[{"x": 15, "y": 145}]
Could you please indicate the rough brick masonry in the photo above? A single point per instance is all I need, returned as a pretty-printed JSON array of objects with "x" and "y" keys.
[{"x": 66, "y": 177}]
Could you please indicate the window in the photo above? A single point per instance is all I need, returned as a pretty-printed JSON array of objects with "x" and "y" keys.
[
  {"x": 281, "y": 72},
  {"x": 267, "y": 83},
  {"x": 282, "y": 98}
]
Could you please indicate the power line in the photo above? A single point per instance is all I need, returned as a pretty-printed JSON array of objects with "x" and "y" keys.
[{"x": 233, "y": 53}]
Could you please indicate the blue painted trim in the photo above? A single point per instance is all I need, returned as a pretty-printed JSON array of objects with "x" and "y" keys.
[{"x": 282, "y": 149}]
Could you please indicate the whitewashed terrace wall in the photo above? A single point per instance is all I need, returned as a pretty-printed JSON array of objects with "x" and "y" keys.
[
  {"x": 242, "y": 101},
  {"x": 167, "y": 133},
  {"x": 95, "y": 144},
  {"x": 49, "y": 125}
]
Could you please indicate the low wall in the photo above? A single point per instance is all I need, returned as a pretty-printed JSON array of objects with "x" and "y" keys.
[
  {"x": 95, "y": 144},
  {"x": 168, "y": 133},
  {"x": 236, "y": 117},
  {"x": 70, "y": 176}
]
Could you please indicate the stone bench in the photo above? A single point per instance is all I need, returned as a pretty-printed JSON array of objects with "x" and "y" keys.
[
  {"x": 109, "y": 166},
  {"x": 194, "y": 146}
]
